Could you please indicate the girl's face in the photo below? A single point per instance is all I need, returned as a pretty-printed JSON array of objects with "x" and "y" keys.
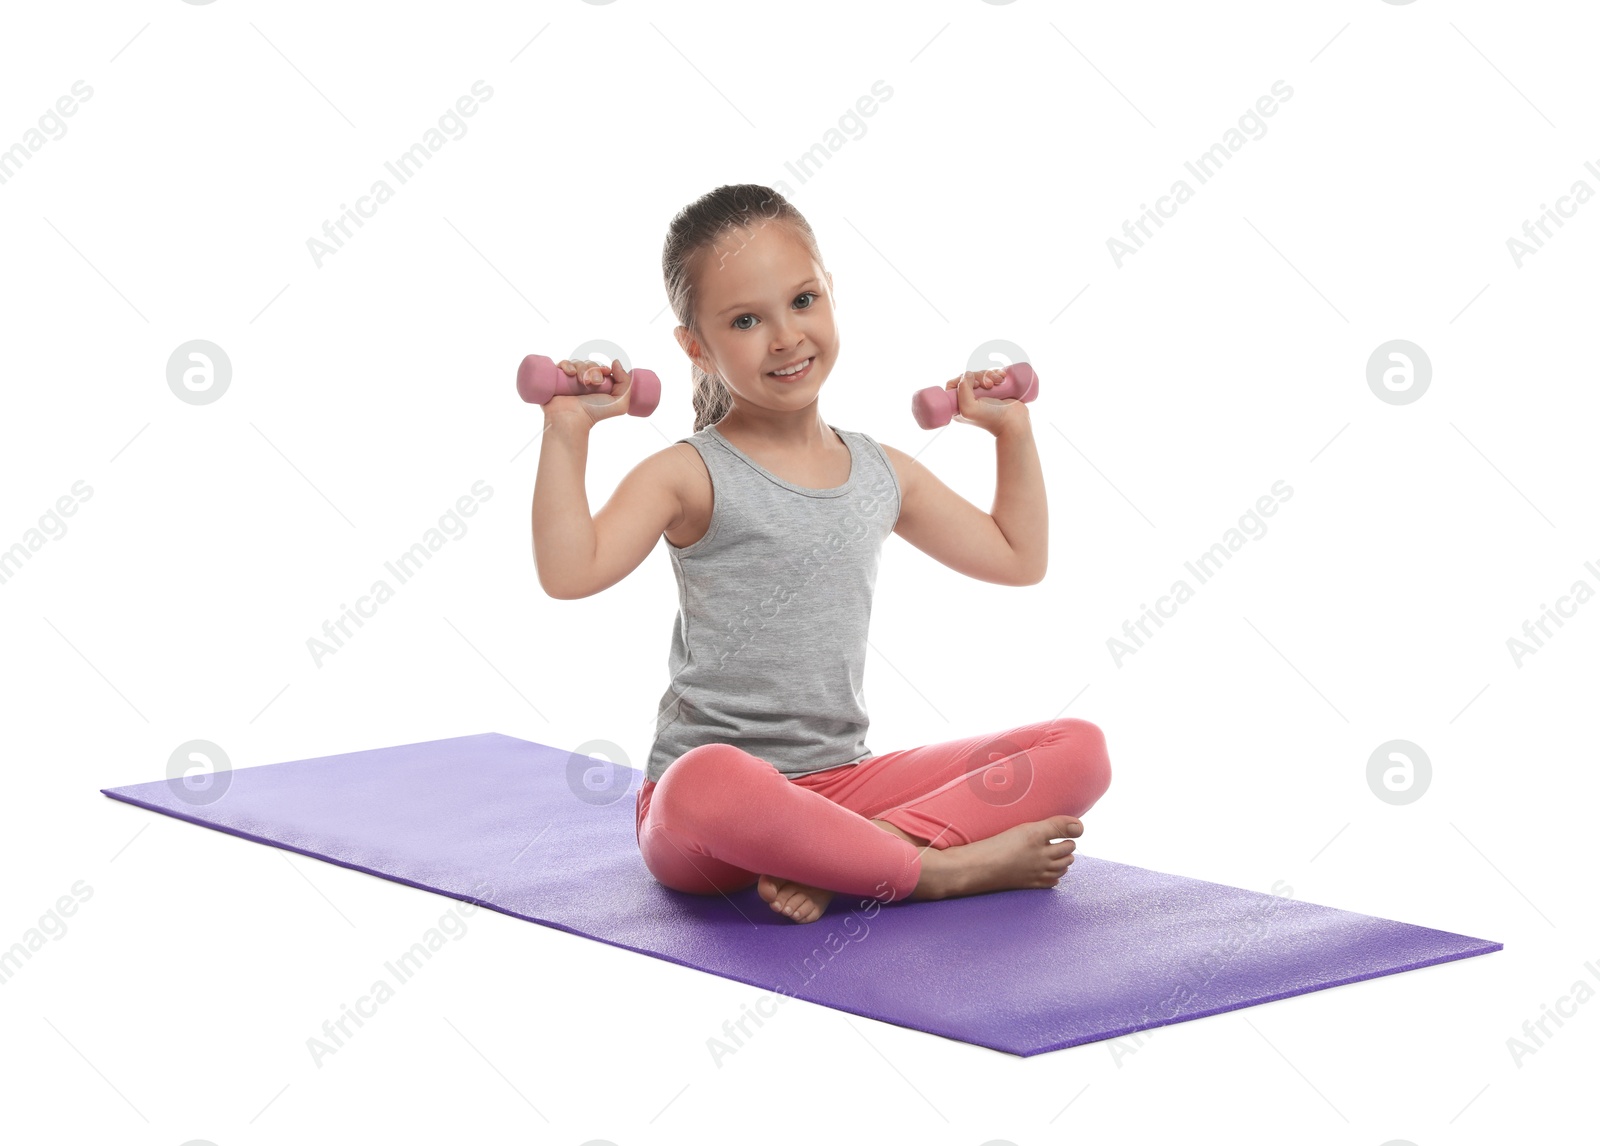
[{"x": 763, "y": 304}]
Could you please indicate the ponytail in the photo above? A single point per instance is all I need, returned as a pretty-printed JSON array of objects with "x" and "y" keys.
[{"x": 711, "y": 398}]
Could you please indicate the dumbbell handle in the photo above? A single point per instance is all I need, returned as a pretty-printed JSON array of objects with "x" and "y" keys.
[
  {"x": 936, "y": 405},
  {"x": 539, "y": 379}
]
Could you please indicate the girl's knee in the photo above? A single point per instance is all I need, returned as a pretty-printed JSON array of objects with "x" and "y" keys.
[
  {"x": 1080, "y": 752},
  {"x": 701, "y": 783},
  {"x": 1075, "y": 729}
]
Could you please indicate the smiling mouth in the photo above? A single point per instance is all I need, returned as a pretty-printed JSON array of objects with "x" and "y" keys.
[{"x": 800, "y": 373}]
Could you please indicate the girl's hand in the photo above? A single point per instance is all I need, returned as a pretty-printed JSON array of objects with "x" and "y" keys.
[
  {"x": 993, "y": 414},
  {"x": 595, "y": 405}
]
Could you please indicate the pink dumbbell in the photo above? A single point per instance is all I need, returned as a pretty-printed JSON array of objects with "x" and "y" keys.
[
  {"x": 936, "y": 405},
  {"x": 539, "y": 379}
]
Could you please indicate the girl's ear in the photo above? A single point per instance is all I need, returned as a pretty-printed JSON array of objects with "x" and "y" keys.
[
  {"x": 682, "y": 335},
  {"x": 690, "y": 347}
]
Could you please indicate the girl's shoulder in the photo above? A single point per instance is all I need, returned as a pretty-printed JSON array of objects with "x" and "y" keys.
[
  {"x": 681, "y": 468},
  {"x": 897, "y": 460}
]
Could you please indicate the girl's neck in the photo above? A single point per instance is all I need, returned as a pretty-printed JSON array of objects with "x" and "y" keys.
[{"x": 800, "y": 431}]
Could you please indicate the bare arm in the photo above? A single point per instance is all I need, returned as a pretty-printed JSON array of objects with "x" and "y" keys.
[
  {"x": 1010, "y": 545},
  {"x": 576, "y": 555}
]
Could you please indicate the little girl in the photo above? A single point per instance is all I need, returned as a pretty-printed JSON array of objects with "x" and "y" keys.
[{"x": 774, "y": 519}]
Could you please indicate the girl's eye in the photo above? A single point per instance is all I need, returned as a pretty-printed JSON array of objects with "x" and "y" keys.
[{"x": 807, "y": 294}]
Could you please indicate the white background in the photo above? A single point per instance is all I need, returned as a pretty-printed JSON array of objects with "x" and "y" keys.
[{"x": 367, "y": 395}]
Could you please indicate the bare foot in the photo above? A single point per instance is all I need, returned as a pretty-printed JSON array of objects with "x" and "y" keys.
[
  {"x": 799, "y": 901},
  {"x": 1022, "y": 856}
]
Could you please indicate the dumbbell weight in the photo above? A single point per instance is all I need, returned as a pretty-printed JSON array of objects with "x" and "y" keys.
[
  {"x": 936, "y": 405},
  {"x": 539, "y": 379}
]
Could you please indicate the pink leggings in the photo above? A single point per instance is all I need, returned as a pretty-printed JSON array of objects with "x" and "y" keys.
[{"x": 719, "y": 817}]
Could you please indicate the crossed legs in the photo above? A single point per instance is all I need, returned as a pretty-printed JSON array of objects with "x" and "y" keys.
[{"x": 958, "y": 817}]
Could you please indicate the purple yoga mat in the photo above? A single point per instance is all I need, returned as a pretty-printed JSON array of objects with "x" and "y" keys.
[{"x": 512, "y": 825}]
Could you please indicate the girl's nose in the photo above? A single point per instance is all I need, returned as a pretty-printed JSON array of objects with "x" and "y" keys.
[
  {"x": 785, "y": 338},
  {"x": 785, "y": 334}
]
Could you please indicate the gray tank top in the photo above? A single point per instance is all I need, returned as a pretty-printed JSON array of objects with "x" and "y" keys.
[{"x": 770, "y": 642}]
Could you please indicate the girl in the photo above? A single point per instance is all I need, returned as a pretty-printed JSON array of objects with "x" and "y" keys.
[{"x": 774, "y": 518}]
